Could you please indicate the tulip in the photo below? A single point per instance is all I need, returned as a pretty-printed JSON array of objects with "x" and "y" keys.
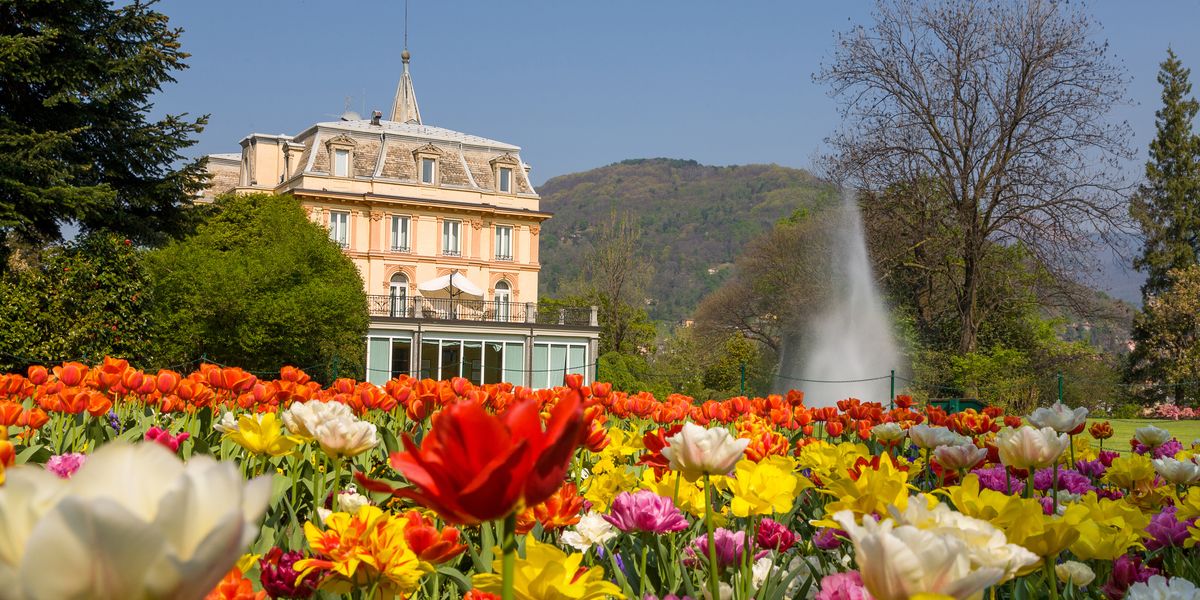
[
  {"x": 645, "y": 511},
  {"x": 345, "y": 437},
  {"x": 1151, "y": 436},
  {"x": 1075, "y": 573},
  {"x": 1059, "y": 418},
  {"x": 1178, "y": 472},
  {"x": 959, "y": 457},
  {"x": 302, "y": 418},
  {"x": 65, "y": 465},
  {"x": 1101, "y": 430},
  {"x": 927, "y": 437},
  {"x": 280, "y": 579},
  {"x": 473, "y": 467},
  {"x": 37, "y": 374},
  {"x": 593, "y": 529},
  {"x": 696, "y": 451},
  {"x": 133, "y": 522},
  {"x": 898, "y": 562},
  {"x": 888, "y": 432},
  {"x": 1029, "y": 448},
  {"x": 261, "y": 434},
  {"x": 1160, "y": 588},
  {"x": 428, "y": 543}
]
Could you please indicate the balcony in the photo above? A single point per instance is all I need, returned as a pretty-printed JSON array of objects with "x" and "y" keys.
[
  {"x": 504, "y": 257},
  {"x": 401, "y": 249},
  {"x": 479, "y": 311}
]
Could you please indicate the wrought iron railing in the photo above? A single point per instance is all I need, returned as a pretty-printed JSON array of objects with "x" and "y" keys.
[{"x": 446, "y": 309}]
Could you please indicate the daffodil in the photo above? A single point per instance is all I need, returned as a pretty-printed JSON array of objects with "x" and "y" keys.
[
  {"x": 872, "y": 493},
  {"x": 547, "y": 573},
  {"x": 262, "y": 433},
  {"x": 1128, "y": 471},
  {"x": 603, "y": 487},
  {"x": 765, "y": 487}
]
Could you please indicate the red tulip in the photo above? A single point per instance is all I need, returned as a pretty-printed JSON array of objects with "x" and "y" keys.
[
  {"x": 474, "y": 467},
  {"x": 38, "y": 374},
  {"x": 430, "y": 544},
  {"x": 71, "y": 374}
]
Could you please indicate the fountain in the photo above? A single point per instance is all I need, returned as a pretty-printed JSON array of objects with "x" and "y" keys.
[{"x": 847, "y": 348}]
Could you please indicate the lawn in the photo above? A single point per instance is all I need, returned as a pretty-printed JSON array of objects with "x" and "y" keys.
[{"x": 1123, "y": 429}]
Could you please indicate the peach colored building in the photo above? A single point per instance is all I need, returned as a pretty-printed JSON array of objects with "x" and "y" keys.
[{"x": 443, "y": 227}]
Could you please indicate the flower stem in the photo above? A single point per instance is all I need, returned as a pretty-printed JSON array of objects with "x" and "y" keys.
[
  {"x": 714, "y": 588},
  {"x": 509, "y": 549},
  {"x": 1051, "y": 581},
  {"x": 1054, "y": 490},
  {"x": 643, "y": 581}
]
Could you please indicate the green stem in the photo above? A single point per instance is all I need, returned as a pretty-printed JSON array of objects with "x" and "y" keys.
[
  {"x": 714, "y": 588},
  {"x": 509, "y": 549},
  {"x": 1051, "y": 581},
  {"x": 643, "y": 581},
  {"x": 1054, "y": 490}
]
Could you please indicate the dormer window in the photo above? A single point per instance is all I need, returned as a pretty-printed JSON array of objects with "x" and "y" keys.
[
  {"x": 341, "y": 153},
  {"x": 428, "y": 170},
  {"x": 426, "y": 158},
  {"x": 341, "y": 163},
  {"x": 503, "y": 169},
  {"x": 505, "y": 180}
]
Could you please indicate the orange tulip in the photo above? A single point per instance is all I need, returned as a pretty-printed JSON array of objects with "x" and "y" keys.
[
  {"x": 235, "y": 586},
  {"x": 10, "y": 413},
  {"x": 38, "y": 374},
  {"x": 34, "y": 419},
  {"x": 70, "y": 374},
  {"x": 561, "y": 509},
  {"x": 8, "y": 453},
  {"x": 428, "y": 543},
  {"x": 166, "y": 381},
  {"x": 1101, "y": 430}
]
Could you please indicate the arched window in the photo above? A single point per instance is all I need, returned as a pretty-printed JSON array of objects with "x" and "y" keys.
[
  {"x": 398, "y": 290},
  {"x": 503, "y": 300}
]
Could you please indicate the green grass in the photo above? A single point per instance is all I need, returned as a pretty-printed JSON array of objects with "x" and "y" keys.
[{"x": 1123, "y": 429}]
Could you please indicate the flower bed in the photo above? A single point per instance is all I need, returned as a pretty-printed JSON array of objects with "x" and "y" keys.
[{"x": 217, "y": 483}]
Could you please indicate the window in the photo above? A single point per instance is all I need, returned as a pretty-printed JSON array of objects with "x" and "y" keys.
[
  {"x": 398, "y": 295},
  {"x": 451, "y": 244},
  {"x": 504, "y": 242},
  {"x": 505, "y": 180},
  {"x": 341, "y": 163},
  {"x": 339, "y": 228},
  {"x": 503, "y": 300},
  {"x": 400, "y": 233},
  {"x": 428, "y": 167}
]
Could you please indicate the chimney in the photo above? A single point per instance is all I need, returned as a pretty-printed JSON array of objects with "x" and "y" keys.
[{"x": 375, "y": 117}]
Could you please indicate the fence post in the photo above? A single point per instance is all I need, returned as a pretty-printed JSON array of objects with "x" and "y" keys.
[
  {"x": 1060, "y": 385},
  {"x": 743, "y": 379},
  {"x": 892, "y": 392}
]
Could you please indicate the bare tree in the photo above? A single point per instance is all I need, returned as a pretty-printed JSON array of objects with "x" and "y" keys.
[
  {"x": 617, "y": 275},
  {"x": 1002, "y": 103}
]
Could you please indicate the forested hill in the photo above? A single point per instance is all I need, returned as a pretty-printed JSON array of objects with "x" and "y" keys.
[{"x": 694, "y": 220}]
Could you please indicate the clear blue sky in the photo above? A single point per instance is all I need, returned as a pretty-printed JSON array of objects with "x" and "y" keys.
[{"x": 577, "y": 84}]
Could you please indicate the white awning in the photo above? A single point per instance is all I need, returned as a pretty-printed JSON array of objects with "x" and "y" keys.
[{"x": 456, "y": 282}]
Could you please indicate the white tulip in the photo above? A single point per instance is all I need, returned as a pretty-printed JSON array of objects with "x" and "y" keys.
[
  {"x": 592, "y": 529},
  {"x": 133, "y": 522},
  {"x": 1059, "y": 418},
  {"x": 350, "y": 501},
  {"x": 1026, "y": 447},
  {"x": 302, "y": 418},
  {"x": 1074, "y": 572},
  {"x": 345, "y": 436},
  {"x": 1160, "y": 588},
  {"x": 897, "y": 562},
  {"x": 888, "y": 432},
  {"x": 1178, "y": 472},
  {"x": 985, "y": 545},
  {"x": 928, "y": 438},
  {"x": 227, "y": 424},
  {"x": 959, "y": 457},
  {"x": 696, "y": 451},
  {"x": 1151, "y": 436}
]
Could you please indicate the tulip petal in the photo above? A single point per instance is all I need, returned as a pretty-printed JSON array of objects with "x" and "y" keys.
[{"x": 65, "y": 542}]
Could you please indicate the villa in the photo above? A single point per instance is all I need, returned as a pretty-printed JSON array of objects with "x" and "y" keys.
[{"x": 443, "y": 227}]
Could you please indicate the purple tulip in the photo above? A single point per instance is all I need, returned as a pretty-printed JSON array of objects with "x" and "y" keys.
[{"x": 644, "y": 510}]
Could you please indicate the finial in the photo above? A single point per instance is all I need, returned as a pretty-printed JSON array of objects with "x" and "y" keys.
[{"x": 404, "y": 55}]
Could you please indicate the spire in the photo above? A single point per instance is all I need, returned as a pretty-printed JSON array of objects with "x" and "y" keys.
[{"x": 404, "y": 107}]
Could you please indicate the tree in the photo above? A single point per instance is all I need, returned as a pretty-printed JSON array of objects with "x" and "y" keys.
[
  {"x": 1171, "y": 323},
  {"x": 614, "y": 278},
  {"x": 1167, "y": 208},
  {"x": 79, "y": 301},
  {"x": 258, "y": 286},
  {"x": 1002, "y": 105},
  {"x": 76, "y": 140}
]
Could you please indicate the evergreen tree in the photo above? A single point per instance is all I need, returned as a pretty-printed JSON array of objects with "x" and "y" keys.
[
  {"x": 1167, "y": 206},
  {"x": 76, "y": 141}
]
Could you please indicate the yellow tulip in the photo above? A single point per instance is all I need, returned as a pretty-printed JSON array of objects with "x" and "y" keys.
[
  {"x": 547, "y": 573},
  {"x": 872, "y": 493},
  {"x": 764, "y": 488},
  {"x": 262, "y": 433},
  {"x": 1127, "y": 472}
]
